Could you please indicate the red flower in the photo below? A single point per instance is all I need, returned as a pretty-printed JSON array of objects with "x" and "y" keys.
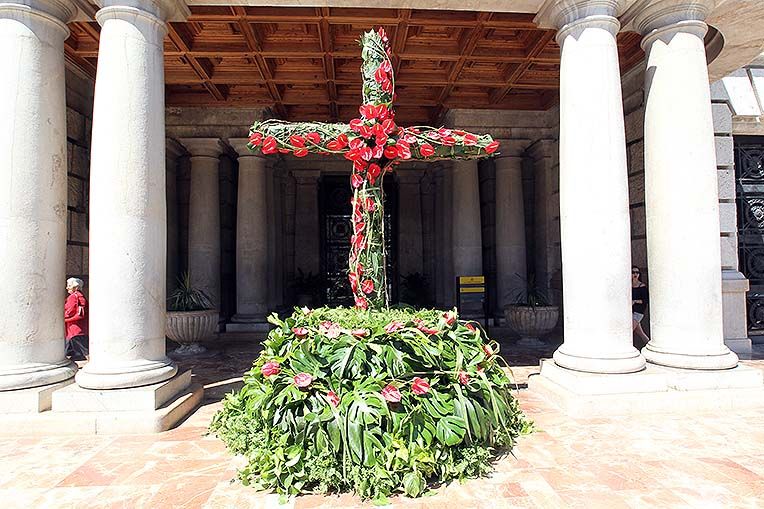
[
  {"x": 391, "y": 152},
  {"x": 426, "y": 150},
  {"x": 269, "y": 145},
  {"x": 353, "y": 281},
  {"x": 301, "y": 152},
  {"x": 356, "y": 181},
  {"x": 487, "y": 350},
  {"x": 255, "y": 139},
  {"x": 302, "y": 380},
  {"x": 470, "y": 139},
  {"x": 361, "y": 303},
  {"x": 329, "y": 329},
  {"x": 270, "y": 368},
  {"x": 300, "y": 332},
  {"x": 448, "y": 141},
  {"x": 471, "y": 327},
  {"x": 394, "y": 326},
  {"x": 449, "y": 317},
  {"x": 366, "y": 153},
  {"x": 420, "y": 386},
  {"x": 297, "y": 141},
  {"x": 367, "y": 286},
  {"x": 360, "y": 333},
  {"x": 391, "y": 393},
  {"x": 404, "y": 151},
  {"x": 313, "y": 137},
  {"x": 370, "y": 204},
  {"x": 334, "y": 400},
  {"x": 380, "y": 75},
  {"x": 464, "y": 378},
  {"x": 427, "y": 330},
  {"x": 388, "y": 125},
  {"x": 491, "y": 147},
  {"x": 356, "y": 124},
  {"x": 365, "y": 131},
  {"x": 374, "y": 172}
]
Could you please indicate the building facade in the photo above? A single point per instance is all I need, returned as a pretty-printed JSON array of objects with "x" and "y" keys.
[{"x": 125, "y": 163}]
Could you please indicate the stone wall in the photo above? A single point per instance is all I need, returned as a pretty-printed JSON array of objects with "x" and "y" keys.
[{"x": 79, "y": 116}]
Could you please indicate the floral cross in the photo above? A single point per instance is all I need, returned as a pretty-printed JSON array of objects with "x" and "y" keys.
[{"x": 374, "y": 143}]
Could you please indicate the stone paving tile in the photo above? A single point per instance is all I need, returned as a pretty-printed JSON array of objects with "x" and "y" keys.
[{"x": 662, "y": 461}]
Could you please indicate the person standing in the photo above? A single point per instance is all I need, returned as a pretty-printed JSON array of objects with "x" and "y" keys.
[
  {"x": 639, "y": 299},
  {"x": 76, "y": 321}
]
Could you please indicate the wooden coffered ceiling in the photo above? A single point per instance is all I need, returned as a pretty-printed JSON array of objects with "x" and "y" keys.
[{"x": 303, "y": 63}]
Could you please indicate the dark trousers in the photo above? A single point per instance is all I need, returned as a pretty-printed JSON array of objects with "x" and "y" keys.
[{"x": 77, "y": 348}]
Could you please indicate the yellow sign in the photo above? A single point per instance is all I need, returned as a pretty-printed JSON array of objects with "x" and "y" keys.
[
  {"x": 473, "y": 289},
  {"x": 472, "y": 280}
]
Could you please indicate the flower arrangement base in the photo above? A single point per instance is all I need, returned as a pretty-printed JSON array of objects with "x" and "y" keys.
[{"x": 373, "y": 402}]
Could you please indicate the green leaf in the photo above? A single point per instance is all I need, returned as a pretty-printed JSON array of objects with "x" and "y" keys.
[
  {"x": 413, "y": 484},
  {"x": 451, "y": 430}
]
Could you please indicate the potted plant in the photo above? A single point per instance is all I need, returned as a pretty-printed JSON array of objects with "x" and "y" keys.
[
  {"x": 531, "y": 315},
  {"x": 308, "y": 288},
  {"x": 191, "y": 317}
]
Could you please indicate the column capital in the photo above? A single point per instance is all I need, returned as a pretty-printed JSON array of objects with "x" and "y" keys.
[
  {"x": 646, "y": 16},
  {"x": 203, "y": 147},
  {"x": 309, "y": 177},
  {"x": 59, "y": 12},
  {"x": 560, "y": 13},
  {"x": 173, "y": 149},
  {"x": 165, "y": 10},
  {"x": 240, "y": 146},
  {"x": 509, "y": 163}
]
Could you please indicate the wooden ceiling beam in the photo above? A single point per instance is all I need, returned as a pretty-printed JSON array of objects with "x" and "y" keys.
[
  {"x": 201, "y": 70},
  {"x": 543, "y": 39}
]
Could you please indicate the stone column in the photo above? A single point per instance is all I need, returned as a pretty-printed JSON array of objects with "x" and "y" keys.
[
  {"x": 683, "y": 248},
  {"x": 33, "y": 182},
  {"x": 306, "y": 238},
  {"x": 204, "y": 216},
  {"x": 409, "y": 222},
  {"x": 510, "y": 229},
  {"x": 252, "y": 272},
  {"x": 128, "y": 235},
  {"x": 466, "y": 231},
  {"x": 594, "y": 201}
]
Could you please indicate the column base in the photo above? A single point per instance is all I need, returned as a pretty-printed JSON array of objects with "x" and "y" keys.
[
  {"x": 124, "y": 376},
  {"x": 630, "y": 362},
  {"x": 725, "y": 359},
  {"x": 36, "y": 375},
  {"x": 656, "y": 389},
  {"x": 248, "y": 323},
  {"x": 30, "y": 401}
]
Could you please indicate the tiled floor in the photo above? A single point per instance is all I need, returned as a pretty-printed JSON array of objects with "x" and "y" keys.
[{"x": 644, "y": 461}]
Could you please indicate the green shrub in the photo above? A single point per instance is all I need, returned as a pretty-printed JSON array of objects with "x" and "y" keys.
[{"x": 318, "y": 410}]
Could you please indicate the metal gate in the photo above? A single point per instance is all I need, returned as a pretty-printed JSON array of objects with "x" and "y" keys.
[{"x": 749, "y": 175}]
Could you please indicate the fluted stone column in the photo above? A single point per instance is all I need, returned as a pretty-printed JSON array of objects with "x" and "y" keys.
[
  {"x": 466, "y": 230},
  {"x": 409, "y": 222},
  {"x": 510, "y": 229},
  {"x": 127, "y": 200},
  {"x": 33, "y": 183},
  {"x": 683, "y": 248},
  {"x": 204, "y": 216},
  {"x": 251, "y": 238},
  {"x": 594, "y": 201}
]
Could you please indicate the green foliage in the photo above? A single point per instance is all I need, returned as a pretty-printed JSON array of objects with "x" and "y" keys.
[
  {"x": 530, "y": 293},
  {"x": 339, "y": 433},
  {"x": 187, "y": 298}
]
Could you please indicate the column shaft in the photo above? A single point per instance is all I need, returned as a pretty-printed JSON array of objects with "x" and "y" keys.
[
  {"x": 409, "y": 222},
  {"x": 594, "y": 202},
  {"x": 306, "y": 222},
  {"x": 33, "y": 182},
  {"x": 127, "y": 204},
  {"x": 683, "y": 247},
  {"x": 467, "y": 234},
  {"x": 510, "y": 229}
]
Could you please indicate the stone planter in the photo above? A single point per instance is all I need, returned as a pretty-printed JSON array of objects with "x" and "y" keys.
[
  {"x": 532, "y": 323},
  {"x": 190, "y": 328}
]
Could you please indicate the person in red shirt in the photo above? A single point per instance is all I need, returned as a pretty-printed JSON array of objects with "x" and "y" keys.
[{"x": 76, "y": 321}]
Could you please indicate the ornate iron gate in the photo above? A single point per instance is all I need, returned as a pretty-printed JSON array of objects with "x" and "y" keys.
[
  {"x": 749, "y": 175},
  {"x": 335, "y": 238}
]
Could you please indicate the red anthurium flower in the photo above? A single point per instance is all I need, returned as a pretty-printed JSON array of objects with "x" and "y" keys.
[
  {"x": 386, "y": 66},
  {"x": 387, "y": 86},
  {"x": 470, "y": 139},
  {"x": 356, "y": 124},
  {"x": 404, "y": 152},
  {"x": 358, "y": 227},
  {"x": 361, "y": 333},
  {"x": 365, "y": 131},
  {"x": 471, "y": 327},
  {"x": 361, "y": 303},
  {"x": 255, "y": 139},
  {"x": 382, "y": 34},
  {"x": 353, "y": 154},
  {"x": 388, "y": 125},
  {"x": 334, "y": 145},
  {"x": 367, "y": 286},
  {"x": 382, "y": 111},
  {"x": 269, "y": 145},
  {"x": 296, "y": 140},
  {"x": 366, "y": 153},
  {"x": 391, "y": 152},
  {"x": 356, "y": 181},
  {"x": 300, "y": 332},
  {"x": 409, "y": 138},
  {"x": 427, "y": 330},
  {"x": 374, "y": 172},
  {"x": 448, "y": 141},
  {"x": 449, "y": 317},
  {"x": 492, "y": 147},
  {"x": 343, "y": 139},
  {"x": 313, "y": 137},
  {"x": 359, "y": 165},
  {"x": 419, "y": 386},
  {"x": 329, "y": 329},
  {"x": 377, "y": 151},
  {"x": 426, "y": 150},
  {"x": 381, "y": 139},
  {"x": 394, "y": 326},
  {"x": 357, "y": 143},
  {"x": 270, "y": 368},
  {"x": 444, "y": 132},
  {"x": 380, "y": 75},
  {"x": 464, "y": 378},
  {"x": 370, "y": 204},
  {"x": 302, "y": 380},
  {"x": 353, "y": 278},
  {"x": 391, "y": 393},
  {"x": 283, "y": 151},
  {"x": 359, "y": 269},
  {"x": 301, "y": 152},
  {"x": 333, "y": 399}
]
